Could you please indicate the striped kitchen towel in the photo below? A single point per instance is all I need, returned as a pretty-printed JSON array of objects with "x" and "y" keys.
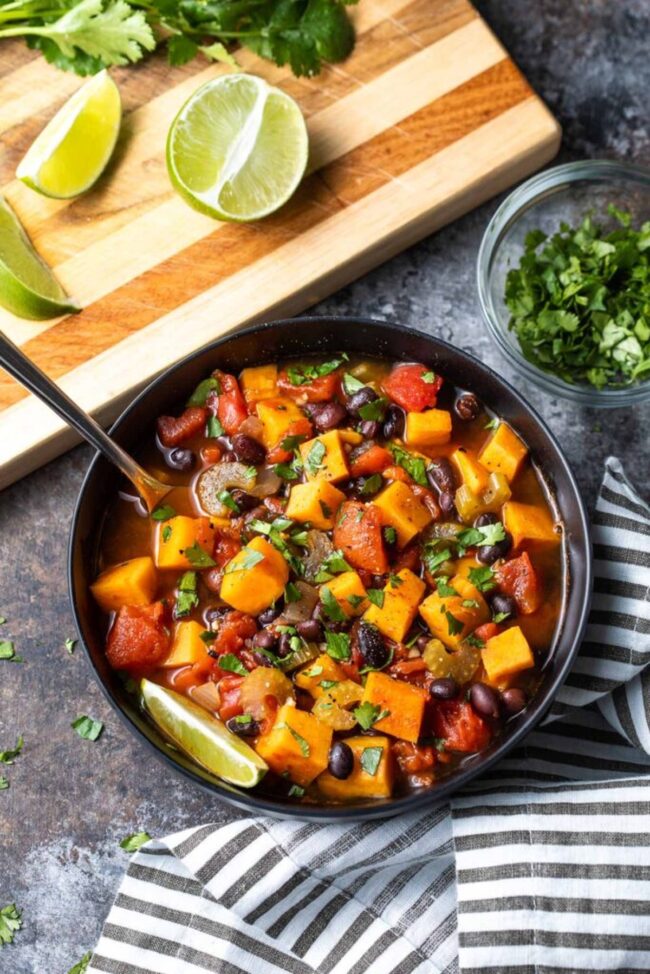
[{"x": 541, "y": 867}]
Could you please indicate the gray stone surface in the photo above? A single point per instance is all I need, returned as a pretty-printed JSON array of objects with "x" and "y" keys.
[{"x": 71, "y": 801}]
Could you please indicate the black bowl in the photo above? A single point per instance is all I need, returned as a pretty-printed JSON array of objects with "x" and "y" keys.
[{"x": 324, "y": 336}]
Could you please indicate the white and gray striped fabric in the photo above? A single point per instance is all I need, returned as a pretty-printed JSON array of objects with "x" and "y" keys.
[{"x": 542, "y": 867}]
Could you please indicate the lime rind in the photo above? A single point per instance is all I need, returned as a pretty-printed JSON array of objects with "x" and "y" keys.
[
  {"x": 238, "y": 148},
  {"x": 203, "y": 737},
  {"x": 28, "y": 289}
]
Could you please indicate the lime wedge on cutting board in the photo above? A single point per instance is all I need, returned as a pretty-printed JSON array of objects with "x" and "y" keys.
[
  {"x": 27, "y": 286},
  {"x": 238, "y": 148},
  {"x": 202, "y": 736},
  {"x": 73, "y": 149}
]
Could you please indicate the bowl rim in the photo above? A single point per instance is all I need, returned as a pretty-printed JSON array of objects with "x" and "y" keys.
[
  {"x": 251, "y": 802},
  {"x": 509, "y": 211}
]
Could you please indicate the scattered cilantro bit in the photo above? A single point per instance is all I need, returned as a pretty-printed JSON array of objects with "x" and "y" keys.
[
  {"x": 395, "y": 581},
  {"x": 247, "y": 560},
  {"x": 338, "y": 645},
  {"x": 454, "y": 626},
  {"x": 428, "y": 377},
  {"x": 487, "y": 534},
  {"x": 376, "y": 596},
  {"x": 434, "y": 558},
  {"x": 273, "y": 532},
  {"x": 415, "y": 467},
  {"x": 371, "y": 759},
  {"x": 187, "y": 598},
  {"x": 198, "y": 557},
  {"x": 2, "y": 620},
  {"x": 203, "y": 390},
  {"x": 482, "y": 578},
  {"x": 301, "y": 375},
  {"x": 372, "y": 484},
  {"x": 367, "y": 714},
  {"x": 491, "y": 424},
  {"x": 444, "y": 588},
  {"x": 286, "y": 471},
  {"x": 351, "y": 384},
  {"x": 333, "y": 564},
  {"x": 10, "y": 923},
  {"x": 163, "y": 513},
  {"x": 328, "y": 684},
  {"x": 243, "y": 720},
  {"x": 8, "y": 652},
  {"x": 315, "y": 457},
  {"x": 10, "y": 755},
  {"x": 579, "y": 301},
  {"x": 134, "y": 842},
  {"x": 208, "y": 636},
  {"x": 475, "y": 641},
  {"x": 166, "y": 533},
  {"x": 500, "y": 617},
  {"x": 390, "y": 534},
  {"x": 296, "y": 791},
  {"x": 291, "y": 442},
  {"x": 82, "y": 966},
  {"x": 292, "y": 593},
  {"x": 305, "y": 749},
  {"x": 313, "y": 671},
  {"x": 469, "y": 604},
  {"x": 354, "y": 600},
  {"x": 213, "y": 428},
  {"x": 232, "y": 664},
  {"x": 87, "y": 727},
  {"x": 70, "y": 645},
  {"x": 331, "y": 605},
  {"x": 226, "y": 498},
  {"x": 4, "y": 783},
  {"x": 373, "y": 410}
]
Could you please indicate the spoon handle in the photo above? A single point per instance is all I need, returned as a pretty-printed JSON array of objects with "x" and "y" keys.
[{"x": 29, "y": 375}]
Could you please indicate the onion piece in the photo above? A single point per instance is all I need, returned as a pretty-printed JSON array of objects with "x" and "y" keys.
[
  {"x": 267, "y": 483},
  {"x": 207, "y": 695},
  {"x": 318, "y": 548},
  {"x": 300, "y": 610},
  {"x": 253, "y": 427}
]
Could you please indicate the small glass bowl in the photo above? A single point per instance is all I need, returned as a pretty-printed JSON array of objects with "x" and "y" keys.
[{"x": 564, "y": 193}]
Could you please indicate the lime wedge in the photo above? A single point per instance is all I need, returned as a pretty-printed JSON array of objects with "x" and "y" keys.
[
  {"x": 27, "y": 286},
  {"x": 202, "y": 736},
  {"x": 238, "y": 148},
  {"x": 74, "y": 147}
]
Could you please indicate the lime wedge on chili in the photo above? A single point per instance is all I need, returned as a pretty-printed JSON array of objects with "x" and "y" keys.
[
  {"x": 238, "y": 148},
  {"x": 202, "y": 736},
  {"x": 27, "y": 286},
  {"x": 73, "y": 149}
]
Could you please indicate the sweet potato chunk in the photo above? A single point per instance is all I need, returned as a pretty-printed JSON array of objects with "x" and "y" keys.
[
  {"x": 348, "y": 590},
  {"x": 138, "y": 638},
  {"x": 324, "y": 457},
  {"x": 255, "y": 577},
  {"x": 403, "y": 510},
  {"x": 297, "y": 745},
  {"x": 452, "y": 617},
  {"x": 504, "y": 452},
  {"x": 473, "y": 474},
  {"x": 311, "y": 676},
  {"x": 316, "y": 502},
  {"x": 528, "y": 522},
  {"x": 374, "y": 778},
  {"x": 175, "y": 536},
  {"x": 358, "y": 534},
  {"x": 402, "y": 594},
  {"x": 430, "y": 428},
  {"x": 187, "y": 646},
  {"x": 259, "y": 382},
  {"x": 404, "y": 703},
  {"x": 277, "y": 415},
  {"x": 507, "y": 654},
  {"x": 133, "y": 582}
]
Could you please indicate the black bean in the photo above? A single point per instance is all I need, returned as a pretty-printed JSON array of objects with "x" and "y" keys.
[
  {"x": 248, "y": 450},
  {"x": 394, "y": 422},
  {"x": 264, "y": 639},
  {"x": 261, "y": 659},
  {"x": 180, "y": 459},
  {"x": 468, "y": 407},
  {"x": 327, "y": 415},
  {"x": 484, "y": 519},
  {"x": 503, "y": 605},
  {"x": 361, "y": 398},
  {"x": 488, "y": 554},
  {"x": 310, "y": 630},
  {"x": 369, "y": 428},
  {"x": 513, "y": 700},
  {"x": 444, "y": 689},
  {"x": 422, "y": 642},
  {"x": 341, "y": 760},
  {"x": 244, "y": 501},
  {"x": 264, "y": 618},
  {"x": 484, "y": 700},
  {"x": 372, "y": 647},
  {"x": 213, "y": 616},
  {"x": 440, "y": 474},
  {"x": 447, "y": 503},
  {"x": 243, "y": 728},
  {"x": 229, "y": 457}
]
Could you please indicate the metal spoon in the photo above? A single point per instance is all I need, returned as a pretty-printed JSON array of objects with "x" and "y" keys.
[{"x": 29, "y": 375}]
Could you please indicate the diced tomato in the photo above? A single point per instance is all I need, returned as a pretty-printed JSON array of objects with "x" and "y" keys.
[
  {"x": 519, "y": 579},
  {"x": 234, "y": 629},
  {"x": 413, "y": 758},
  {"x": 228, "y": 405},
  {"x": 409, "y": 387},
  {"x": 487, "y": 631},
  {"x": 358, "y": 534},
  {"x": 407, "y": 667},
  {"x": 225, "y": 549},
  {"x": 299, "y": 427},
  {"x": 370, "y": 459},
  {"x": 173, "y": 430},
  {"x": 211, "y": 455},
  {"x": 138, "y": 637},
  {"x": 396, "y": 473},
  {"x": 461, "y": 727},
  {"x": 229, "y": 691},
  {"x": 321, "y": 389}
]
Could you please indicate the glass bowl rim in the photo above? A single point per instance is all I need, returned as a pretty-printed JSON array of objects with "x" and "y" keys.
[{"x": 519, "y": 201}]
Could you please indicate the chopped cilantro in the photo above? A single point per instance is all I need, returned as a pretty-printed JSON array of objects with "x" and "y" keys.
[
  {"x": 8, "y": 652},
  {"x": 444, "y": 588},
  {"x": 454, "y": 625},
  {"x": 163, "y": 513},
  {"x": 10, "y": 755},
  {"x": 10, "y": 923},
  {"x": 390, "y": 534},
  {"x": 87, "y": 727},
  {"x": 351, "y": 384},
  {"x": 290, "y": 443},
  {"x": 166, "y": 533},
  {"x": 328, "y": 684},
  {"x": 305, "y": 749},
  {"x": 415, "y": 467},
  {"x": 296, "y": 791},
  {"x": 315, "y": 457},
  {"x": 376, "y": 596},
  {"x": 313, "y": 671},
  {"x": 232, "y": 664},
  {"x": 482, "y": 578},
  {"x": 367, "y": 714},
  {"x": 395, "y": 581},
  {"x": 332, "y": 564},
  {"x": 301, "y": 375},
  {"x": 213, "y": 428},
  {"x": 331, "y": 605},
  {"x": 434, "y": 558},
  {"x": 326, "y": 510},
  {"x": 228, "y": 501},
  {"x": 491, "y": 424},
  {"x": 428, "y": 377},
  {"x": 207, "y": 636},
  {"x": 203, "y": 390},
  {"x": 371, "y": 759},
  {"x": 134, "y": 842},
  {"x": 372, "y": 484},
  {"x": 487, "y": 534},
  {"x": 469, "y": 604},
  {"x": 338, "y": 645},
  {"x": 373, "y": 410},
  {"x": 501, "y": 617},
  {"x": 292, "y": 593},
  {"x": 354, "y": 600},
  {"x": 241, "y": 563},
  {"x": 82, "y": 966},
  {"x": 187, "y": 598},
  {"x": 200, "y": 558},
  {"x": 475, "y": 641}
]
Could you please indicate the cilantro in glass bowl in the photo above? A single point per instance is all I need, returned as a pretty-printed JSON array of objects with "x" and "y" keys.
[{"x": 564, "y": 281}]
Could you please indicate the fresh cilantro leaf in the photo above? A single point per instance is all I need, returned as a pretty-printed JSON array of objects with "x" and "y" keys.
[
  {"x": 390, "y": 534},
  {"x": 415, "y": 467},
  {"x": 8, "y": 652},
  {"x": 313, "y": 671},
  {"x": 134, "y": 842},
  {"x": 428, "y": 377},
  {"x": 454, "y": 626},
  {"x": 82, "y": 966},
  {"x": 376, "y": 596},
  {"x": 166, "y": 533},
  {"x": 326, "y": 510},
  {"x": 300, "y": 375},
  {"x": 10, "y": 755},
  {"x": 469, "y": 604},
  {"x": 482, "y": 578},
  {"x": 292, "y": 593},
  {"x": 87, "y": 727},
  {"x": 395, "y": 581},
  {"x": 367, "y": 714},
  {"x": 331, "y": 605},
  {"x": 501, "y": 617},
  {"x": 433, "y": 557},
  {"x": 207, "y": 636},
  {"x": 332, "y": 564},
  {"x": 243, "y": 720},
  {"x": 292, "y": 442},
  {"x": 474, "y": 641},
  {"x": 444, "y": 588},
  {"x": 286, "y": 471},
  {"x": 10, "y": 923},
  {"x": 305, "y": 749},
  {"x": 232, "y": 664},
  {"x": 187, "y": 598},
  {"x": 200, "y": 558},
  {"x": 163, "y": 513},
  {"x": 315, "y": 457},
  {"x": 351, "y": 384},
  {"x": 373, "y": 410},
  {"x": 213, "y": 427},
  {"x": 371, "y": 759},
  {"x": 70, "y": 645},
  {"x": 296, "y": 791},
  {"x": 354, "y": 600},
  {"x": 487, "y": 534},
  {"x": 4, "y": 783},
  {"x": 492, "y": 424},
  {"x": 338, "y": 645},
  {"x": 180, "y": 50},
  {"x": 200, "y": 395},
  {"x": 371, "y": 485},
  {"x": 226, "y": 498},
  {"x": 328, "y": 684}
]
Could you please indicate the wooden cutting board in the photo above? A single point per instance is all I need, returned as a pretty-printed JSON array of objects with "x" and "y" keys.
[{"x": 427, "y": 118}]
